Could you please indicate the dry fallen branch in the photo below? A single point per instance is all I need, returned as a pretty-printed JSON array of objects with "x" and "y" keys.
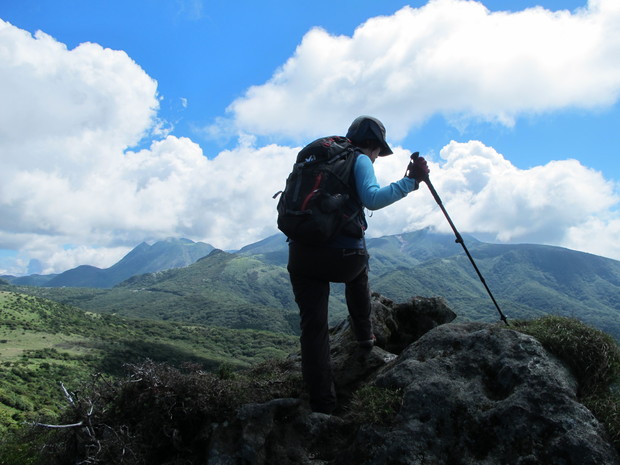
[{"x": 44, "y": 425}]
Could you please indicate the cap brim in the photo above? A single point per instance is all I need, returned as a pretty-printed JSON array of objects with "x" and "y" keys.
[{"x": 385, "y": 148}]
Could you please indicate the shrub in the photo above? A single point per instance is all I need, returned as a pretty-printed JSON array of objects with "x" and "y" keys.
[
  {"x": 373, "y": 404},
  {"x": 162, "y": 414},
  {"x": 20, "y": 447},
  {"x": 607, "y": 409}
]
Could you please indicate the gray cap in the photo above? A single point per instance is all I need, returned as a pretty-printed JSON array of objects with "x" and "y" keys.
[{"x": 368, "y": 128}]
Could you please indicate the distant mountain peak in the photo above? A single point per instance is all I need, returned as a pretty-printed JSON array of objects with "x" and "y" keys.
[{"x": 144, "y": 258}]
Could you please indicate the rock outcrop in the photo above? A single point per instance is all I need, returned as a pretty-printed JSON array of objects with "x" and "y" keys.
[{"x": 472, "y": 393}]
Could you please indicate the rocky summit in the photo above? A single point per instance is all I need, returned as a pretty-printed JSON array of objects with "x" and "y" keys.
[{"x": 468, "y": 393}]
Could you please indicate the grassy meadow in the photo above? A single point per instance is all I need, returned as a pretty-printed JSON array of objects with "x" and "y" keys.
[{"x": 44, "y": 344}]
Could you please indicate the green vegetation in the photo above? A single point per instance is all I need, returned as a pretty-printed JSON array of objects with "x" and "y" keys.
[
  {"x": 251, "y": 289},
  {"x": 157, "y": 410},
  {"x": 155, "y": 414},
  {"x": 227, "y": 312},
  {"x": 594, "y": 359},
  {"x": 43, "y": 343},
  {"x": 221, "y": 289},
  {"x": 529, "y": 281},
  {"x": 373, "y": 404}
]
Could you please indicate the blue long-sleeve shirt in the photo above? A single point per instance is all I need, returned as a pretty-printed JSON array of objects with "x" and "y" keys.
[{"x": 372, "y": 196}]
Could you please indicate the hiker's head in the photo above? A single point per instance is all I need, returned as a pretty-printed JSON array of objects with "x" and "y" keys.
[{"x": 367, "y": 132}]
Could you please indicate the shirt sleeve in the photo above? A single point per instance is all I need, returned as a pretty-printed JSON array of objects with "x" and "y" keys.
[{"x": 370, "y": 193}]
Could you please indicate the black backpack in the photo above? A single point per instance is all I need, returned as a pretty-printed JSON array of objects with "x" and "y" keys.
[{"x": 320, "y": 200}]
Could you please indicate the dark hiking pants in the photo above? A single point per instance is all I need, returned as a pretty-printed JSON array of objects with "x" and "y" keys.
[{"x": 311, "y": 270}]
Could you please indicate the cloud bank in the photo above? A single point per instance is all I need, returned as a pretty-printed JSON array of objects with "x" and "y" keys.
[
  {"x": 449, "y": 57},
  {"x": 73, "y": 191},
  {"x": 561, "y": 203}
]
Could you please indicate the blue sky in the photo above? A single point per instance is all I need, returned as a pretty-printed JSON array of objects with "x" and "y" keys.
[{"x": 165, "y": 124}]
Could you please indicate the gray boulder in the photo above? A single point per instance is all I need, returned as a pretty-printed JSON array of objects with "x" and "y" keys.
[
  {"x": 396, "y": 325},
  {"x": 480, "y": 394},
  {"x": 472, "y": 393}
]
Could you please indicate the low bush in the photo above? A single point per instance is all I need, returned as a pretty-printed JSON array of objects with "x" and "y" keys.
[
  {"x": 161, "y": 414},
  {"x": 373, "y": 404}
]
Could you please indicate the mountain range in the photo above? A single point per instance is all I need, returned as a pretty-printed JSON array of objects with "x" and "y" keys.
[
  {"x": 250, "y": 288},
  {"x": 145, "y": 258}
]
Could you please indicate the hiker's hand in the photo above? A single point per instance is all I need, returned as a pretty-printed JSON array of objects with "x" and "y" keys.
[{"x": 418, "y": 168}]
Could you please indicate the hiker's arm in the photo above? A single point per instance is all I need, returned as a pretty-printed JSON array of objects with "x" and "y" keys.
[{"x": 370, "y": 193}]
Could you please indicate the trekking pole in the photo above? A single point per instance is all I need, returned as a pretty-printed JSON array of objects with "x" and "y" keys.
[{"x": 459, "y": 239}]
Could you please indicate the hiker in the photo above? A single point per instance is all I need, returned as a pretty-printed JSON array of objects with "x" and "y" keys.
[{"x": 343, "y": 259}]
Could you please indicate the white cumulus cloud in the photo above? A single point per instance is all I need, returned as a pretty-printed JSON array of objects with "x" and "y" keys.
[
  {"x": 561, "y": 203},
  {"x": 449, "y": 57}
]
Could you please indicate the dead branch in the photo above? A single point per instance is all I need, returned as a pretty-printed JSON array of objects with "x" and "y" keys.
[{"x": 44, "y": 425}]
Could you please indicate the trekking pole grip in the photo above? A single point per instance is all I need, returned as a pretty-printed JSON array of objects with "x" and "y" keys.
[
  {"x": 427, "y": 180},
  {"x": 414, "y": 157}
]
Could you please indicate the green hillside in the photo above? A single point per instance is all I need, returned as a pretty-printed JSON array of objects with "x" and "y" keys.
[
  {"x": 221, "y": 289},
  {"x": 527, "y": 280},
  {"x": 236, "y": 308},
  {"x": 44, "y": 343},
  {"x": 251, "y": 288}
]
